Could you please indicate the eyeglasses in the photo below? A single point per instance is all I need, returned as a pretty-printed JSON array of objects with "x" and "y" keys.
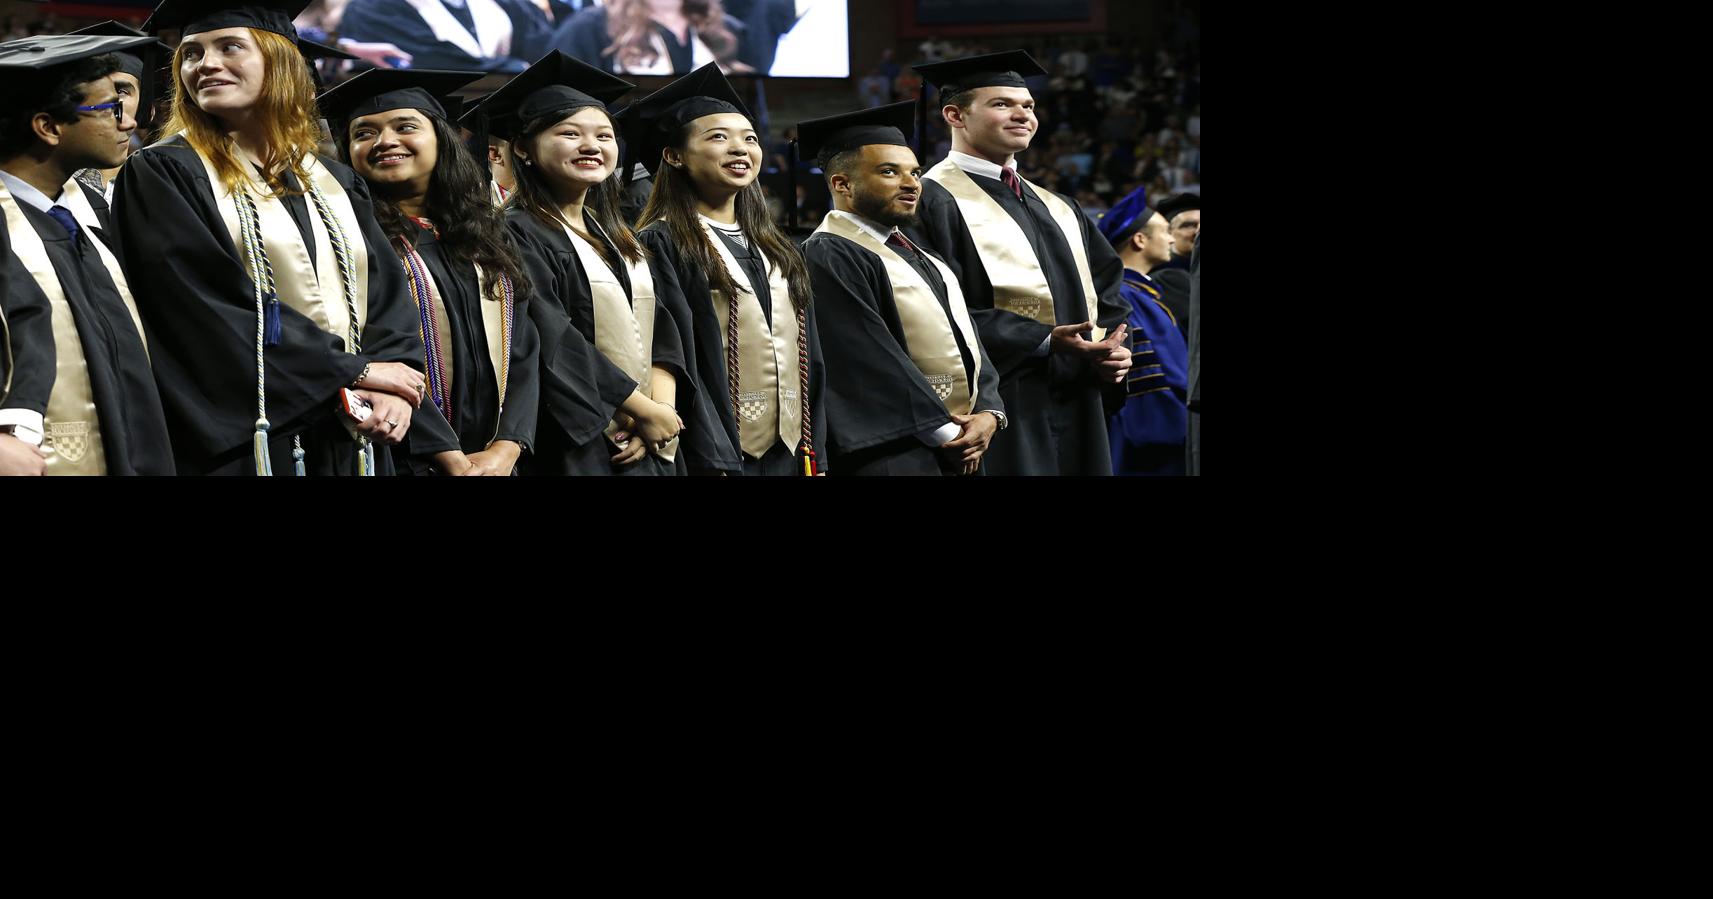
[{"x": 118, "y": 107}]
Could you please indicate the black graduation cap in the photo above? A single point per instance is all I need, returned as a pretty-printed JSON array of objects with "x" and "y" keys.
[
  {"x": 1006, "y": 69},
  {"x": 313, "y": 51},
  {"x": 150, "y": 58},
  {"x": 473, "y": 112},
  {"x": 197, "y": 16},
  {"x": 378, "y": 90},
  {"x": 822, "y": 139},
  {"x": 132, "y": 63},
  {"x": 33, "y": 54},
  {"x": 649, "y": 124},
  {"x": 556, "y": 84},
  {"x": 1177, "y": 204}
]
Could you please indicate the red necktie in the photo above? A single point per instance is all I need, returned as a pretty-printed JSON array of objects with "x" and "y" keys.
[
  {"x": 900, "y": 241},
  {"x": 1009, "y": 176}
]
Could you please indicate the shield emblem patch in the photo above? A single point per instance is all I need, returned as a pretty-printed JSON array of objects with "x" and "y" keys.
[
  {"x": 70, "y": 439},
  {"x": 942, "y": 385},
  {"x": 751, "y": 406}
]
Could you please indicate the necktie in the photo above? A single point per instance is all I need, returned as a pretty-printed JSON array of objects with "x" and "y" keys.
[
  {"x": 900, "y": 241},
  {"x": 1009, "y": 176},
  {"x": 63, "y": 216}
]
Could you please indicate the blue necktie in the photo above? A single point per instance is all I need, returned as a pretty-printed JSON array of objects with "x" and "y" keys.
[{"x": 63, "y": 216}]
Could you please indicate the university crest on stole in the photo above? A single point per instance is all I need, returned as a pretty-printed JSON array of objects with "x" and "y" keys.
[
  {"x": 70, "y": 439},
  {"x": 942, "y": 385},
  {"x": 752, "y": 405}
]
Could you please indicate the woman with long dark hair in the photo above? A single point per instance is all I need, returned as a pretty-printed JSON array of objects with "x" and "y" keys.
[
  {"x": 283, "y": 339},
  {"x": 747, "y": 322},
  {"x": 609, "y": 411},
  {"x": 462, "y": 271}
]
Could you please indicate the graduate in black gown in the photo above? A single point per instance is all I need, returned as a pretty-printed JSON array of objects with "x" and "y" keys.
[
  {"x": 909, "y": 389},
  {"x": 747, "y": 322},
  {"x": 1042, "y": 285},
  {"x": 612, "y": 365},
  {"x": 487, "y": 35},
  {"x": 463, "y": 272},
  {"x": 25, "y": 324},
  {"x": 259, "y": 267},
  {"x": 62, "y": 113}
]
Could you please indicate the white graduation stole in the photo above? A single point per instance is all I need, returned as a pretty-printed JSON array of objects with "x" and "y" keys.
[
  {"x": 493, "y": 26},
  {"x": 1018, "y": 283},
  {"x": 700, "y": 56}
]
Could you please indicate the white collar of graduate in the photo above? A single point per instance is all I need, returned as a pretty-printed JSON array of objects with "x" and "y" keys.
[
  {"x": 23, "y": 190},
  {"x": 876, "y": 230},
  {"x": 733, "y": 230},
  {"x": 975, "y": 165}
]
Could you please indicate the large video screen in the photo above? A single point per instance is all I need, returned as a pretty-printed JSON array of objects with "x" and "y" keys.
[{"x": 781, "y": 38}]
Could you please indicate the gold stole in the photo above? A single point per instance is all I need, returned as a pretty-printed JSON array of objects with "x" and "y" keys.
[
  {"x": 932, "y": 345},
  {"x": 73, "y": 198},
  {"x": 315, "y": 290},
  {"x": 1018, "y": 285},
  {"x": 769, "y": 403},
  {"x": 71, "y": 427},
  {"x": 624, "y": 326}
]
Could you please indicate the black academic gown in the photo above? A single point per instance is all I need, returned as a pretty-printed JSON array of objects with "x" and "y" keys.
[
  {"x": 877, "y": 402},
  {"x": 398, "y": 23},
  {"x": 198, "y": 304},
  {"x": 476, "y": 418},
  {"x": 1057, "y": 421},
  {"x": 581, "y": 389},
  {"x": 133, "y": 426},
  {"x": 29, "y": 336},
  {"x": 710, "y": 443}
]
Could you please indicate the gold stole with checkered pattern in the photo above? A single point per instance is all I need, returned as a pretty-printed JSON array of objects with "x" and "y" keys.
[
  {"x": 927, "y": 333},
  {"x": 770, "y": 403},
  {"x": 71, "y": 426}
]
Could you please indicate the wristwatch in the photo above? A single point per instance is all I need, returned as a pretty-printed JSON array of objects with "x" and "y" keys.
[
  {"x": 999, "y": 415},
  {"x": 23, "y": 432}
]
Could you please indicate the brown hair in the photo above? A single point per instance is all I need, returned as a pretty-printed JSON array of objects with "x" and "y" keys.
[{"x": 288, "y": 112}]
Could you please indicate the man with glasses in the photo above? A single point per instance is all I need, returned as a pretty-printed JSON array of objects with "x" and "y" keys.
[
  {"x": 136, "y": 80},
  {"x": 61, "y": 112}
]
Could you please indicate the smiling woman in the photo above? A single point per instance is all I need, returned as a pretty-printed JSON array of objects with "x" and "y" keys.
[
  {"x": 255, "y": 256},
  {"x": 472, "y": 301},
  {"x": 613, "y": 368},
  {"x": 746, "y": 318}
]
